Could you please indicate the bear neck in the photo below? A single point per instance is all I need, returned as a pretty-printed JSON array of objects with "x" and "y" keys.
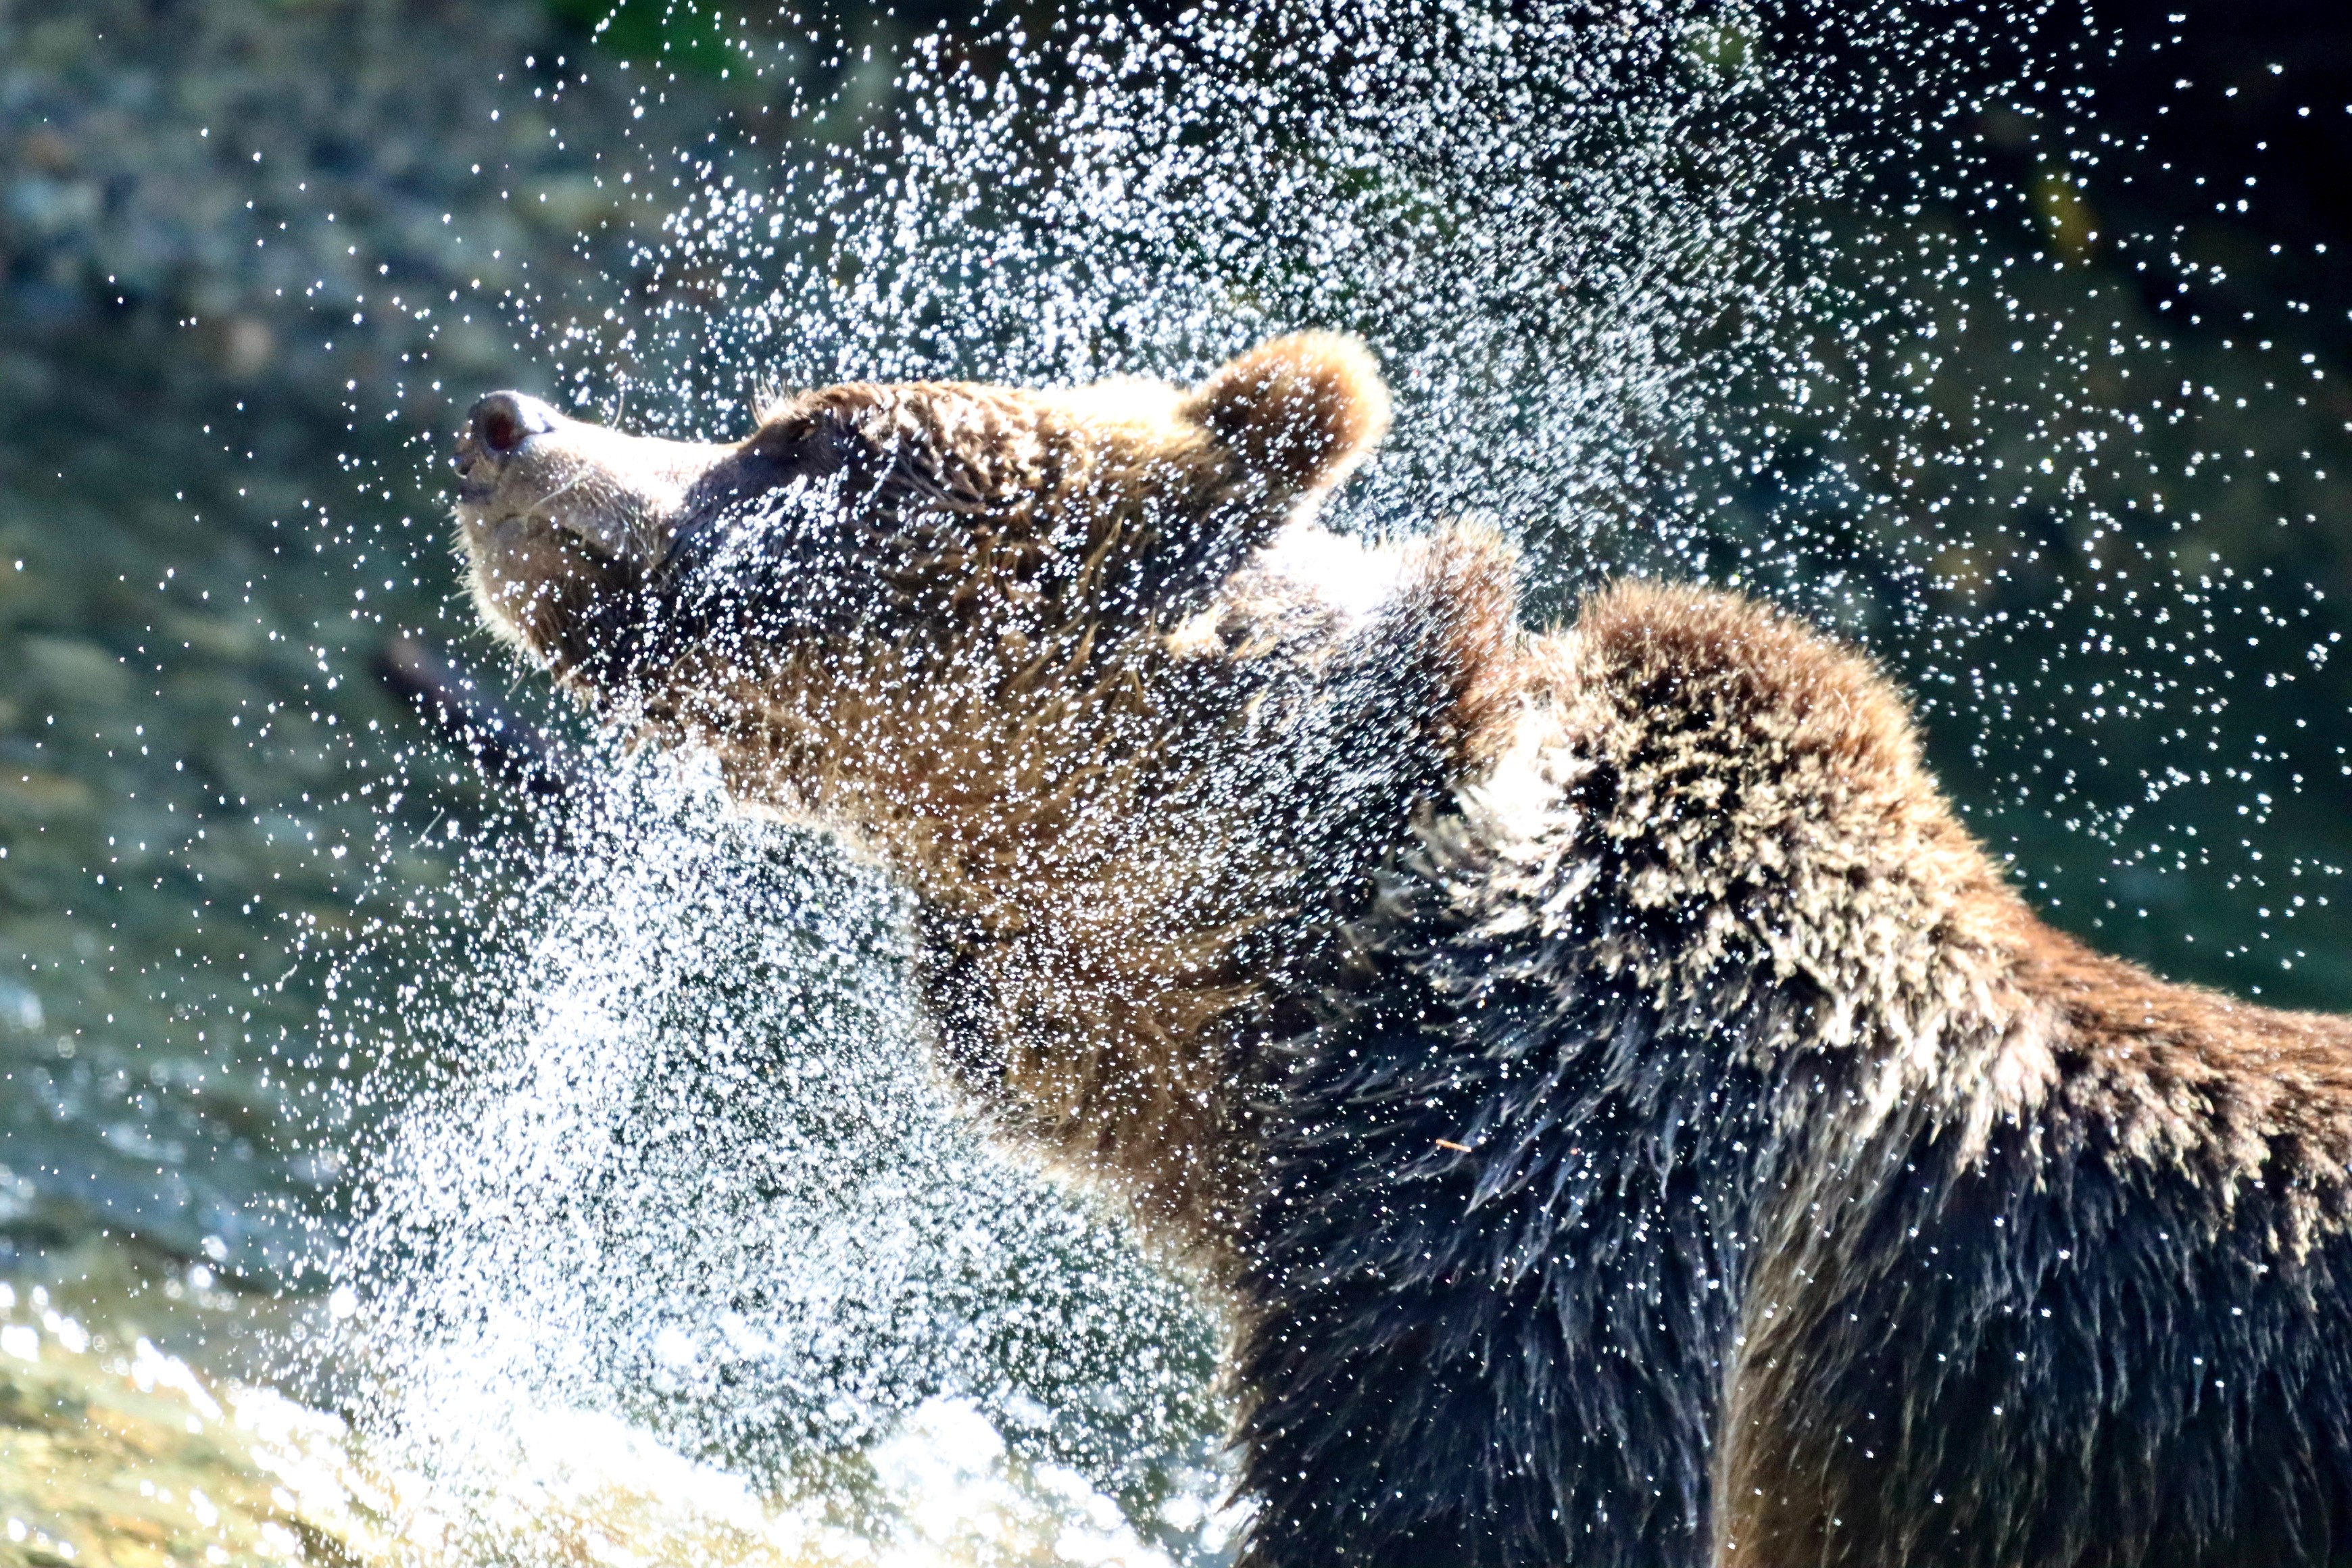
[
  {"x": 1125, "y": 856},
  {"x": 1109, "y": 883}
]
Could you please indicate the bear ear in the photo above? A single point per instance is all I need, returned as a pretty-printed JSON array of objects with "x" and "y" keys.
[{"x": 1301, "y": 411}]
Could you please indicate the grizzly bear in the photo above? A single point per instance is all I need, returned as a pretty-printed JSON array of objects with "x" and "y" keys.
[{"x": 1627, "y": 1117}]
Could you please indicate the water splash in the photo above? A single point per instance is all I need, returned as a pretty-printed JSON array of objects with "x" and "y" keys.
[
  {"x": 679, "y": 1160},
  {"x": 1664, "y": 286},
  {"x": 1584, "y": 240}
]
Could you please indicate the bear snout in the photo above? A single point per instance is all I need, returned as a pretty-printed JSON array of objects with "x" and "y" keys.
[{"x": 526, "y": 467}]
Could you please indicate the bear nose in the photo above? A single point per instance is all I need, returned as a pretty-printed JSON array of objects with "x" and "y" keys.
[{"x": 502, "y": 425}]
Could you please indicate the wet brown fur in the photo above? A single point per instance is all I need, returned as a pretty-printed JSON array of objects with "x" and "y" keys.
[
  {"x": 1104, "y": 945},
  {"x": 1772, "y": 783},
  {"x": 1718, "y": 812}
]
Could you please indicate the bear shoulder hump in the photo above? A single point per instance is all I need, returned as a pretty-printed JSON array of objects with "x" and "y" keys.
[{"x": 1651, "y": 670}]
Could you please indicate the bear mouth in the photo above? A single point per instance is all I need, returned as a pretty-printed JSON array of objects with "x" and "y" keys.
[
  {"x": 504, "y": 504},
  {"x": 513, "y": 525}
]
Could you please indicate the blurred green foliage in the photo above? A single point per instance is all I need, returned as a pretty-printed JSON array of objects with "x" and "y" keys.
[{"x": 679, "y": 34}]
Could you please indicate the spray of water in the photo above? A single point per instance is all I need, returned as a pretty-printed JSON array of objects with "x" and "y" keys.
[
  {"x": 1656, "y": 288},
  {"x": 676, "y": 1161}
]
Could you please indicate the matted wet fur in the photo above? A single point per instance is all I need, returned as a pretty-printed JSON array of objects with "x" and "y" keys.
[{"x": 1626, "y": 1117}]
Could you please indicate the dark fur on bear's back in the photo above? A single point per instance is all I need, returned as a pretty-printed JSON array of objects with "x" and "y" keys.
[
  {"x": 1576, "y": 1253},
  {"x": 1626, "y": 1117}
]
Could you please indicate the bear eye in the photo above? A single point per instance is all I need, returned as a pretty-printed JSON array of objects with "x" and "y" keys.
[{"x": 741, "y": 476}]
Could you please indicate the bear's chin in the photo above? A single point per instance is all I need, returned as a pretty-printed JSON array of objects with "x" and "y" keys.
[{"x": 535, "y": 582}]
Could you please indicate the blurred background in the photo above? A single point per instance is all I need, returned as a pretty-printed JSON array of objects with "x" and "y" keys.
[{"x": 257, "y": 255}]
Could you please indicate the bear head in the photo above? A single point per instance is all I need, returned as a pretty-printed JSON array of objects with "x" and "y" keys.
[
  {"x": 877, "y": 603},
  {"x": 924, "y": 516}
]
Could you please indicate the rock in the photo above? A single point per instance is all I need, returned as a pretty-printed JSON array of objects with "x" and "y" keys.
[
  {"x": 75, "y": 671},
  {"x": 122, "y": 1458},
  {"x": 115, "y": 1456}
]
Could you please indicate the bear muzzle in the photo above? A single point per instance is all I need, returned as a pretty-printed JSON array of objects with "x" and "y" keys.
[{"x": 523, "y": 468}]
